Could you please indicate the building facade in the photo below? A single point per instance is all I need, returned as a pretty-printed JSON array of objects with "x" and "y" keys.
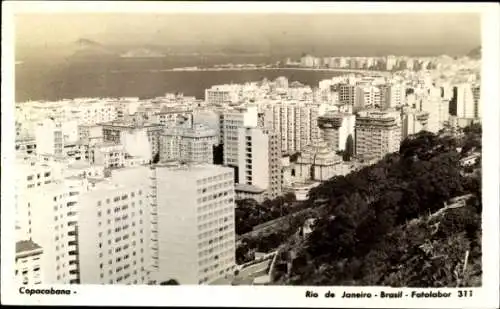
[
  {"x": 336, "y": 128},
  {"x": 192, "y": 223},
  {"x": 193, "y": 144},
  {"x": 377, "y": 133},
  {"x": 114, "y": 229},
  {"x": 259, "y": 160}
]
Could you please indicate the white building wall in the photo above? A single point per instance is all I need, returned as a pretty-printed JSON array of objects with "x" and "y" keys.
[
  {"x": 113, "y": 227},
  {"x": 136, "y": 143},
  {"x": 465, "y": 101},
  {"x": 28, "y": 267},
  {"x": 195, "y": 223}
]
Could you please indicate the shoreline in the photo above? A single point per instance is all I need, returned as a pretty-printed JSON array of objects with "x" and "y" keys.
[{"x": 255, "y": 69}]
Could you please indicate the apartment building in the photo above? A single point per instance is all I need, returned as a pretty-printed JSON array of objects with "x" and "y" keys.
[
  {"x": 41, "y": 202},
  {"x": 231, "y": 121},
  {"x": 26, "y": 146},
  {"x": 49, "y": 137},
  {"x": 347, "y": 94},
  {"x": 377, "y": 133},
  {"x": 28, "y": 268},
  {"x": 476, "y": 94},
  {"x": 413, "y": 121},
  {"x": 193, "y": 144},
  {"x": 192, "y": 215},
  {"x": 367, "y": 97},
  {"x": 259, "y": 161},
  {"x": 296, "y": 123},
  {"x": 114, "y": 229},
  {"x": 222, "y": 94},
  {"x": 90, "y": 134},
  {"x": 138, "y": 138},
  {"x": 438, "y": 109},
  {"x": 173, "y": 117},
  {"x": 107, "y": 154},
  {"x": 392, "y": 95},
  {"x": 463, "y": 101},
  {"x": 92, "y": 111}
]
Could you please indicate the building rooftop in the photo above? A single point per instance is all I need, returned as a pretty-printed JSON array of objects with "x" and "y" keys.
[
  {"x": 79, "y": 165},
  {"x": 248, "y": 188},
  {"x": 26, "y": 245},
  {"x": 130, "y": 124}
]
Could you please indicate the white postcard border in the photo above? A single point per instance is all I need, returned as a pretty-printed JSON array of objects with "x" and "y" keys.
[{"x": 291, "y": 296}]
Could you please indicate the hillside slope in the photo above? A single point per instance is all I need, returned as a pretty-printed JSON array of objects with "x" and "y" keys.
[{"x": 377, "y": 228}]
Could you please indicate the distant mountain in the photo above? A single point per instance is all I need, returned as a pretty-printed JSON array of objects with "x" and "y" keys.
[
  {"x": 89, "y": 48},
  {"x": 475, "y": 53}
]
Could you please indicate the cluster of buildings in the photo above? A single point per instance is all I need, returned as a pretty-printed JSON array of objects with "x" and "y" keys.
[
  {"x": 387, "y": 63},
  {"x": 130, "y": 191}
]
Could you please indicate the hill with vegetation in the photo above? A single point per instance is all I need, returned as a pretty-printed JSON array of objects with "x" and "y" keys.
[{"x": 392, "y": 224}]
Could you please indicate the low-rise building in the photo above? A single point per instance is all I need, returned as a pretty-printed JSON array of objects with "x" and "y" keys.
[{"x": 28, "y": 262}]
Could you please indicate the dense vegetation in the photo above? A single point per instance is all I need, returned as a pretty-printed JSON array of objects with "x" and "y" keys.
[
  {"x": 376, "y": 228},
  {"x": 249, "y": 213}
]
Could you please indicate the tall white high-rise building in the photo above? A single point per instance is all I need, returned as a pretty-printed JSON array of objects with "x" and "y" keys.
[
  {"x": 476, "y": 93},
  {"x": 231, "y": 121},
  {"x": 296, "y": 123},
  {"x": 193, "y": 144},
  {"x": 259, "y": 160},
  {"x": 377, "y": 133},
  {"x": 437, "y": 107},
  {"x": 43, "y": 215},
  {"x": 392, "y": 95},
  {"x": 114, "y": 229},
  {"x": 465, "y": 101},
  {"x": 192, "y": 216}
]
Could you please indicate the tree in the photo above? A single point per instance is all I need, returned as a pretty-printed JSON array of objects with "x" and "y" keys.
[
  {"x": 290, "y": 197},
  {"x": 349, "y": 148},
  {"x": 294, "y": 157},
  {"x": 170, "y": 282},
  {"x": 156, "y": 158}
]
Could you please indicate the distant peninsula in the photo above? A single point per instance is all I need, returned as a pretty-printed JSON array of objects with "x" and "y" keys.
[{"x": 142, "y": 53}]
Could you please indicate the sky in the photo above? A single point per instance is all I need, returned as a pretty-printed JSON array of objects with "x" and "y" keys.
[{"x": 460, "y": 31}]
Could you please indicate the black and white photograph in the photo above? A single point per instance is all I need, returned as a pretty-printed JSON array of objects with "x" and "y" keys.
[{"x": 318, "y": 149}]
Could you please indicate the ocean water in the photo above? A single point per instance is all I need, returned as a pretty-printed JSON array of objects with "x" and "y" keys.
[{"x": 137, "y": 77}]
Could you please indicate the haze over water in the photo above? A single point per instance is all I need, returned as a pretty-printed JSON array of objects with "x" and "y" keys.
[{"x": 47, "y": 44}]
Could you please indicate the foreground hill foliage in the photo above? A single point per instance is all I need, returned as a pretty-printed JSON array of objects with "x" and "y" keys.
[{"x": 377, "y": 227}]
